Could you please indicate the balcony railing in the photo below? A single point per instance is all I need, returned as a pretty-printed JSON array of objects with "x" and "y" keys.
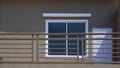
[{"x": 55, "y": 48}]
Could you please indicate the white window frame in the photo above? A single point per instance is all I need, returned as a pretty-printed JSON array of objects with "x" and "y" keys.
[{"x": 70, "y": 21}]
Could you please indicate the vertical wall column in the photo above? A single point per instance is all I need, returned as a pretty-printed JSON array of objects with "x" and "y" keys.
[
  {"x": 118, "y": 30},
  {"x": 118, "y": 19},
  {"x": 0, "y": 15}
]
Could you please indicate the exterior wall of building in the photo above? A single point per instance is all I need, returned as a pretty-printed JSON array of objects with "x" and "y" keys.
[
  {"x": 26, "y": 16},
  {"x": 118, "y": 29},
  {"x": 118, "y": 19}
]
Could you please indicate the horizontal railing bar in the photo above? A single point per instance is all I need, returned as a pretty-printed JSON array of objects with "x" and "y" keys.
[
  {"x": 15, "y": 52},
  {"x": 22, "y": 62},
  {"x": 106, "y": 57},
  {"x": 116, "y": 62},
  {"x": 76, "y": 52},
  {"x": 79, "y": 38},
  {"x": 73, "y": 45},
  {"x": 39, "y": 33},
  {"x": 39, "y": 62},
  {"x": 57, "y": 48},
  {"x": 16, "y": 57},
  {"x": 13, "y": 44},
  {"x": 102, "y": 48},
  {"x": 89, "y": 33},
  {"x": 79, "y": 59},
  {"x": 69, "y": 58},
  {"x": 16, "y": 48},
  {"x": 56, "y": 52},
  {"x": 18, "y": 33},
  {"x": 56, "y": 44},
  {"x": 73, "y": 58},
  {"x": 102, "y": 52},
  {"x": 75, "y": 48},
  {"x": 15, "y": 38},
  {"x": 55, "y": 62},
  {"x": 103, "y": 44},
  {"x": 61, "y": 38},
  {"x": 64, "y": 57},
  {"x": 59, "y": 44},
  {"x": 102, "y": 62},
  {"x": 59, "y": 58}
]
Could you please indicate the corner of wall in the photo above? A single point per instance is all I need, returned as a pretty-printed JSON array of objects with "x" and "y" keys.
[{"x": 118, "y": 20}]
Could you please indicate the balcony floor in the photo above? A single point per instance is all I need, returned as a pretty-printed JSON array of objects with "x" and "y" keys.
[{"x": 59, "y": 66}]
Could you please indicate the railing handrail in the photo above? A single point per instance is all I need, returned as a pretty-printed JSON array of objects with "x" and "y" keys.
[
  {"x": 38, "y": 43},
  {"x": 42, "y": 33}
]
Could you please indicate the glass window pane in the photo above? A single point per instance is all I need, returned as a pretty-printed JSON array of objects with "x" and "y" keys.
[
  {"x": 56, "y": 45},
  {"x": 75, "y": 28}
]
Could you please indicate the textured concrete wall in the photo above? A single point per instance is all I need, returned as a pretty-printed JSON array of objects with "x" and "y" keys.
[
  {"x": 118, "y": 29},
  {"x": 118, "y": 19},
  {"x": 26, "y": 15}
]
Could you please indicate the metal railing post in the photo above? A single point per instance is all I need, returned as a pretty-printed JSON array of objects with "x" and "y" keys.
[
  {"x": 78, "y": 44},
  {"x": 32, "y": 47},
  {"x": 37, "y": 40},
  {"x": 82, "y": 50}
]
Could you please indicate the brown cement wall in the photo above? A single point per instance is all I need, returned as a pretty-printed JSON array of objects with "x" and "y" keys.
[
  {"x": 118, "y": 29},
  {"x": 118, "y": 19},
  {"x": 26, "y": 15}
]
